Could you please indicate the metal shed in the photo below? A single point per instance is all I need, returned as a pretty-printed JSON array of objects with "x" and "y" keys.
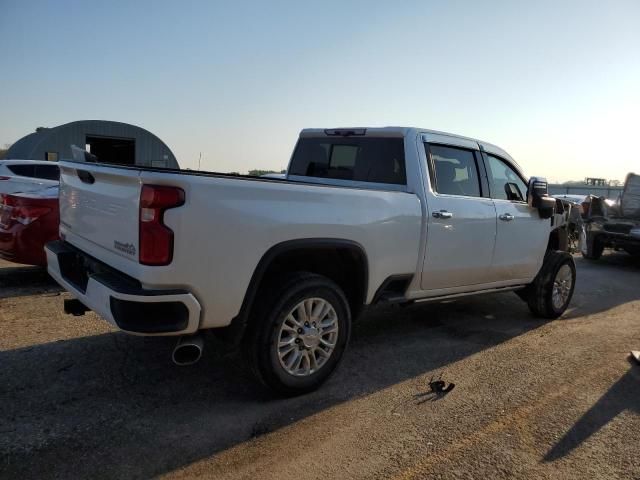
[{"x": 111, "y": 142}]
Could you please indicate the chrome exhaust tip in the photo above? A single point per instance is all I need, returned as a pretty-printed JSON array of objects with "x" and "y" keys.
[{"x": 188, "y": 350}]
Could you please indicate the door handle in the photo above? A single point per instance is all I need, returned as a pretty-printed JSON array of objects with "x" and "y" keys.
[
  {"x": 442, "y": 214},
  {"x": 506, "y": 217}
]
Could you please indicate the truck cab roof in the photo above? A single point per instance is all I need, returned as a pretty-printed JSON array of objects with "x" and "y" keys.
[{"x": 407, "y": 131}]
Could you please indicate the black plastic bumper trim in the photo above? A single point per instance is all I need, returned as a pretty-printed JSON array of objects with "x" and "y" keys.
[
  {"x": 154, "y": 317},
  {"x": 76, "y": 267}
]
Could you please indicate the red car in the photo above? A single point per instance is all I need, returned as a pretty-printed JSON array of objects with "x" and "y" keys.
[{"x": 28, "y": 220}]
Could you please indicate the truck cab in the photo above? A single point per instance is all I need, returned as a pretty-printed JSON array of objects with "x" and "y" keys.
[{"x": 475, "y": 233}]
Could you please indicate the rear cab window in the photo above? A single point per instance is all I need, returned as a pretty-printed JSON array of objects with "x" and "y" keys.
[{"x": 374, "y": 160}]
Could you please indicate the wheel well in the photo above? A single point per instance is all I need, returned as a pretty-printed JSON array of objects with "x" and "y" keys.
[
  {"x": 343, "y": 261},
  {"x": 558, "y": 240},
  {"x": 345, "y": 266}
]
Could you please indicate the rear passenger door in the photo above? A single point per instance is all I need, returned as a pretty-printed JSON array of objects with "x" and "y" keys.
[
  {"x": 522, "y": 235},
  {"x": 461, "y": 224}
]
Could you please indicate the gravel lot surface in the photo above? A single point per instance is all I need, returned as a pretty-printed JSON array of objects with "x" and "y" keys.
[{"x": 532, "y": 399}]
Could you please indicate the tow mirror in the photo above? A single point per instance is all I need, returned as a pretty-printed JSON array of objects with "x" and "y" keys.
[
  {"x": 513, "y": 192},
  {"x": 538, "y": 197}
]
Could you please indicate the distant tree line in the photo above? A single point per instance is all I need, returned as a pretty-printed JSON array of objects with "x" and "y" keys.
[
  {"x": 4, "y": 150},
  {"x": 259, "y": 173}
]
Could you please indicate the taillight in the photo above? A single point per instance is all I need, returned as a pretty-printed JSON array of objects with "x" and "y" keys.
[
  {"x": 156, "y": 239},
  {"x": 27, "y": 215},
  {"x": 11, "y": 212},
  {"x": 4, "y": 178}
]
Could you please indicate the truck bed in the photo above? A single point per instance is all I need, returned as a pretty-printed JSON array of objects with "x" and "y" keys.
[{"x": 226, "y": 225}]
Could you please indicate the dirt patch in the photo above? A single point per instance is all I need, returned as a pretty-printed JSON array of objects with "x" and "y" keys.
[{"x": 532, "y": 399}]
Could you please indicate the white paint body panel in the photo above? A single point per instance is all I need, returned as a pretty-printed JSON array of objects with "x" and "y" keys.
[
  {"x": 459, "y": 249},
  {"x": 23, "y": 184},
  {"x": 519, "y": 241},
  {"x": 227, "y": 224}
]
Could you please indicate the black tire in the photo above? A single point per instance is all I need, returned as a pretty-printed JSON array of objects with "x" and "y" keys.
[
  {"x": 595, "y": 248},
  {"x": 539, "y": 294},
  {"x": 261, "y": 340}
]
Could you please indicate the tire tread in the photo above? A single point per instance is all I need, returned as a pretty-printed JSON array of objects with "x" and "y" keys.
[
  {"x": 539, "y": 293},
  {"x": 269, "y": 302}
]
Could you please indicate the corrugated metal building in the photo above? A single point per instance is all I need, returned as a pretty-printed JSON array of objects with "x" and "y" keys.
[{"x": 111, "y": 142}]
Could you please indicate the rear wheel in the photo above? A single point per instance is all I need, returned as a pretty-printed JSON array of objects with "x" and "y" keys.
[
  {"x": 298, "y": 334},
  {"x": 550, "y": 293}
]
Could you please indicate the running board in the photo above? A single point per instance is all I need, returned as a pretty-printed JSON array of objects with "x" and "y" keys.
[{"x": 468, "y": 294}]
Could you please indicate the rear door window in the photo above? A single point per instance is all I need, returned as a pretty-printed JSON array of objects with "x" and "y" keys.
[
  {"x": 362, "y": 159},
  {"x": 454, "y": 171}
]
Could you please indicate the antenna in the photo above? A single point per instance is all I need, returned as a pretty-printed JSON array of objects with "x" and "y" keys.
[{"x": 199, "y": 159}]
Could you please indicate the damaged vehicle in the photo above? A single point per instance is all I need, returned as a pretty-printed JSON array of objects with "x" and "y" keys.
[
  {"x": 282, "y": 267},
  {"x": 613, "y": 224},
  {"x": 28, "y": 220}
]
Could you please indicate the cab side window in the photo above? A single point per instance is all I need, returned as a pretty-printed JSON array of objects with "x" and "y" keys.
[
  {"x": 454, "y": 171},
  {"x": 500, "y": 174}
]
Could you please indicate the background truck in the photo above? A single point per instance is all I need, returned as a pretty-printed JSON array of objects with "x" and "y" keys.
[
  {"x": 612, "y": 224},
  {"x": 281, "y": 267}
]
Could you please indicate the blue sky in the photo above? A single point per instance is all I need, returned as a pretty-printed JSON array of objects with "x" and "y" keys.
[{"x": 557, "y": 84}]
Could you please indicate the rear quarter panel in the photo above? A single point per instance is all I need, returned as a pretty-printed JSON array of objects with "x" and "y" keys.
[{"x": 227, "y": 225}]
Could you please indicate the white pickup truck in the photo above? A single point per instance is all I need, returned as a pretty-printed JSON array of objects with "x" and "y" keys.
[{"x": 283, "y": 266}]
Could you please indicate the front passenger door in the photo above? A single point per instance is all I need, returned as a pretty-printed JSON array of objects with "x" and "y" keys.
[{"x": 522, "y": 236}]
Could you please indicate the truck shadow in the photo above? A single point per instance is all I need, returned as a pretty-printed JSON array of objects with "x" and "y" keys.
[
  {"x": 623, "y": 395},
  {"x": 19, "y": 281},
  {"x": 116, "y": 401},
  {"x": 595, "y": 292}
]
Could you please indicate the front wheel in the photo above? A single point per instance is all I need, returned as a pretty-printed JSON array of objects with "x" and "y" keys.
[
  {"x": 299, "y": 334},
  {"x": 550, "y": 293}
]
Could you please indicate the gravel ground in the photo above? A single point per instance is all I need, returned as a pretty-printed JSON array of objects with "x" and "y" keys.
[{"x": 532, "y": 399}]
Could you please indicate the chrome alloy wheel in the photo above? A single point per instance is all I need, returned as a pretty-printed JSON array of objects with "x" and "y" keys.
[
  {"x": 562, "y": 286},
  {"x": 307, "y": 337}
]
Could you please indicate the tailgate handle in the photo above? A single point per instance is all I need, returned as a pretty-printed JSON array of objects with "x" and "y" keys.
[{"x": 86, "y": 177}]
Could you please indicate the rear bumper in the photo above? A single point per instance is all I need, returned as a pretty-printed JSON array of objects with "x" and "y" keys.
[{"x": 120, "y": 299}]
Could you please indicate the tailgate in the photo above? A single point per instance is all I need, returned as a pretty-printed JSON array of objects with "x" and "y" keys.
[{"x": 99, "y": 204}]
